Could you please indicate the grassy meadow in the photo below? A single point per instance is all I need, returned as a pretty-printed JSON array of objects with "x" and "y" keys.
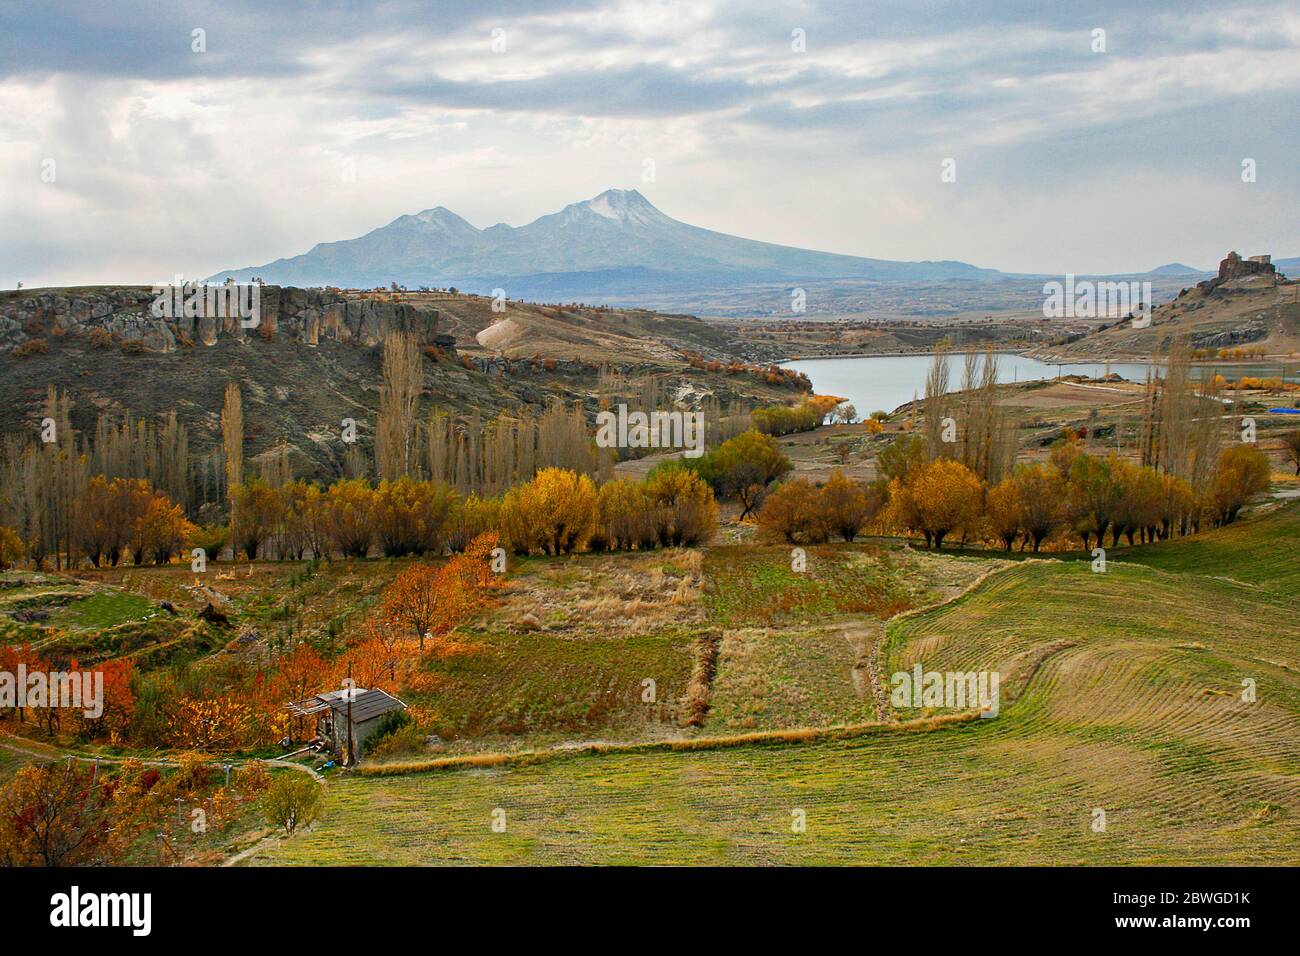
[{"x": 1122, "y": 695}]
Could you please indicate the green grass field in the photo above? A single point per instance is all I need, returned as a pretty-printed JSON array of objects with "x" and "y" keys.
[{"x": 1122, "y": 695}]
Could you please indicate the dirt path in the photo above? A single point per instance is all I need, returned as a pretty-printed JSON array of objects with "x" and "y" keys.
[{"x": 46, "y": 752}]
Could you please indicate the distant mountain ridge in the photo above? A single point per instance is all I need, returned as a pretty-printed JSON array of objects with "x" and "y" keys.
[
  {"x": 611, "y": 241},
  {"x": 616, "y": 248}
]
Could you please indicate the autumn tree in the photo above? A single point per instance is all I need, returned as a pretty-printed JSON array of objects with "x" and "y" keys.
[
  {"x": 412, "y": 517},
  {"x": 255, "y": 516},
  {"x": 901, "y": 457},
  {"x": 348, "y": 517},
  {"x": 792, "y": 512},
  {"x": 554, "y": 513},
  {"x": 54, "y": 814},
  {"x": 1092, "y": 495},
  {"x": 940, "y": 497},
  {"x": 848, "y": 506},
  {"x": 682, "y": 507},
  {"x": 232, "y": 439},
  {"x": 1291, "y": 447},
  {"x": 743, "y": 467},
  {"x": 299, "y": 674},
  {"x": 1141, "y": 498},
  {"x": 161, "y": 532},
  {"x": 623, "y": 519},
  {"x": 11, "y": 548},
  {"x": 1003, "y": 511},
  {"x": 212, "y": 724},
  {"x": 1039, "y": 490},
  {"x": 1241, "y": 473},
  {"x": 418, "y": 599},
  {"x": 1177, "y": 503}
]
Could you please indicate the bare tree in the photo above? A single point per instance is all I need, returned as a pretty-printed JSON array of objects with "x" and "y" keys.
[
  {"x": 399, "y": 400},
  {"x": 232, "y": 437}
]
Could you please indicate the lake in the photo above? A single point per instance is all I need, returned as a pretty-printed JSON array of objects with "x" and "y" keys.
[{"x": 885, "y": 382}]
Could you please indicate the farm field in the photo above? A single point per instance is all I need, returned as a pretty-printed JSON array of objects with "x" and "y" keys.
[{"x": 1122, "y": 693}]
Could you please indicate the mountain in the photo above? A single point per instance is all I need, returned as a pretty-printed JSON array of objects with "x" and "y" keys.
[
  {"x": 616, "y": 242},
  {"x": 1289, "y": 266},
  {"x": 1176, "y": 269}
]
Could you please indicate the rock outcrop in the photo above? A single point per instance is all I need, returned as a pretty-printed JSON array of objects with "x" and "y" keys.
[{"x": 286, "y": 313}]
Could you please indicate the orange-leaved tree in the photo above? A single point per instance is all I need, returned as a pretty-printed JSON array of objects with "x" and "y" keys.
[{"x": 433, "y": 601}]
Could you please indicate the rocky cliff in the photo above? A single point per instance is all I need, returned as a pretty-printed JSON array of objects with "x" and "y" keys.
[{"x": 126, "y": 314}]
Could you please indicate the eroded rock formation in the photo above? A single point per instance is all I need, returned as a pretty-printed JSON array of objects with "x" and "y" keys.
[{"x": 286, "y": 313}]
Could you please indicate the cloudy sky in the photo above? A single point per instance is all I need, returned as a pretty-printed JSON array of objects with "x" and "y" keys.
[{"x": 308, "y": 122}]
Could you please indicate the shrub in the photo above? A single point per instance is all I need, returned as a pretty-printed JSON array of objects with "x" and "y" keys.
[
  {"x": 292, "y": 800},
  {"x": 32, "y": 347},
  {"x": 101, "y": 338},
  {"x": 11, "y": 548}
]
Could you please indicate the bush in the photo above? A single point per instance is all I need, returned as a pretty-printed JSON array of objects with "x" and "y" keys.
[
  {"x": 32, "y": 347},
  {"x": 211, "y": 538},
  {"x": 398, "y": 735},
  {"x": 11, "y": 548},
  {"x": 292, "y": 800}
]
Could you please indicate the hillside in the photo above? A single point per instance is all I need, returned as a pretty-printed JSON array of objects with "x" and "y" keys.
[
  {"x": 1237, "y": 310},
  {"x": 316, "y": 358},
  {"x": 1121, "y": 693}
]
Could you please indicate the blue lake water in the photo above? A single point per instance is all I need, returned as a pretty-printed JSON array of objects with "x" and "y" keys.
[{"x": 874, "y": 382}]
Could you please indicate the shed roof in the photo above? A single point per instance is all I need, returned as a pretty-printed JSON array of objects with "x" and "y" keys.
[{"x": 366, "y": 704}]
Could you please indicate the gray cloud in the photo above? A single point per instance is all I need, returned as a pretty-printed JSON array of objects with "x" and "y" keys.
[{"x": 166, "y": 157}]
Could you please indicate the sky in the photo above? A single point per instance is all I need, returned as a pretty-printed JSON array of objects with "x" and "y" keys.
[{"x": 134, "y": 149}]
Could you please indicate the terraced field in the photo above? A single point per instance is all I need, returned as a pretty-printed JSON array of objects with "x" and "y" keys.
[{"x": 1122, "y": 694}]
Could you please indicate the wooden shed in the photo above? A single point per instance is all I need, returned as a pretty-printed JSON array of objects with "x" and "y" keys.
[{"x": 338, "y": 710}]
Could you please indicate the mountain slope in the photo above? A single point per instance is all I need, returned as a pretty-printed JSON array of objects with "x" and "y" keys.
[{"x": 615, "y": 239}]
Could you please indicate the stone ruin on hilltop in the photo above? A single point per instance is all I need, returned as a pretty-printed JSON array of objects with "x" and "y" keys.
[{"x": 1235, "y": 267}]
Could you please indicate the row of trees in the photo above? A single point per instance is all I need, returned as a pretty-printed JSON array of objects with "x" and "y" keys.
[
  {"x": 786, "y": 419},
  {"x": 1072, "y": 495}
]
